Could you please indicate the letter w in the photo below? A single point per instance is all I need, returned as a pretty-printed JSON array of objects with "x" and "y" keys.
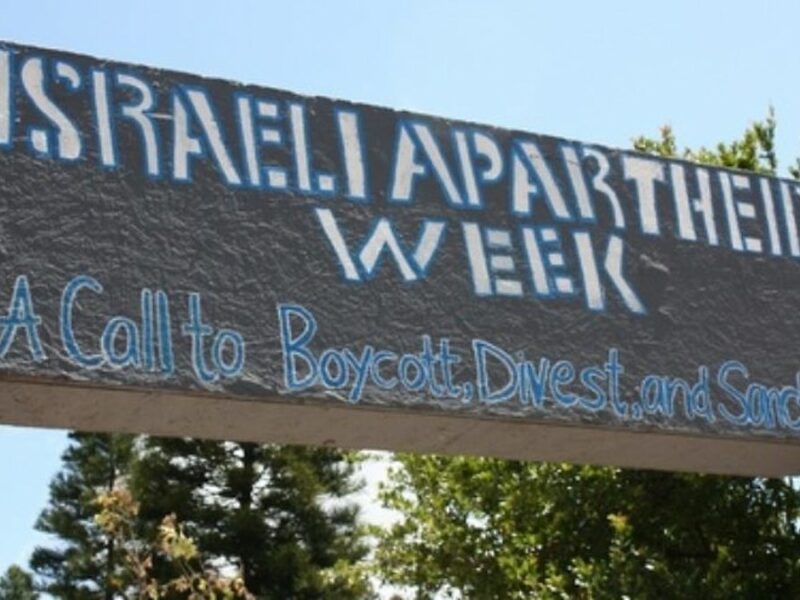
[{"x": 413, "y": 265}]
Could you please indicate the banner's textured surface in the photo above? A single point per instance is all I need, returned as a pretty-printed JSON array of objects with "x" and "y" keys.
[{"x": 166, "y": 231}]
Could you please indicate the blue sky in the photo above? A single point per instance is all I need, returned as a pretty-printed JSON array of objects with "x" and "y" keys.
[{"x": 599, "y": 72}]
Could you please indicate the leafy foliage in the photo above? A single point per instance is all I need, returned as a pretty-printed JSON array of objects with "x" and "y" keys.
[
  {"x": 17, "y": 584},
  {"x": 755, "y": 151},
  {"x": 85, "y": 563},
  {"x": 117, "y": 519},
  {"x": 486, "y": 528},
  {"x": 278, "y": 513}
]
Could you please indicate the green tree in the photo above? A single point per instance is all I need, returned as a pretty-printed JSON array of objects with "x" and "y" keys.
[
  {"x": 485, "y": 528},
  {"x": 84, "y": 563},
  {"x": 279, "y": 514},
  {"x": 17, "y": 584},
  {"x": 755, "y": 151}
]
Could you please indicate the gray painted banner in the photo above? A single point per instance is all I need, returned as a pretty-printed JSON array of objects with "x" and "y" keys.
[{"x": 189, "y": 256}]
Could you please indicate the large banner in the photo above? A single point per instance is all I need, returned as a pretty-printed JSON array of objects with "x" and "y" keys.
[{"x": 169, "y": 240}]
